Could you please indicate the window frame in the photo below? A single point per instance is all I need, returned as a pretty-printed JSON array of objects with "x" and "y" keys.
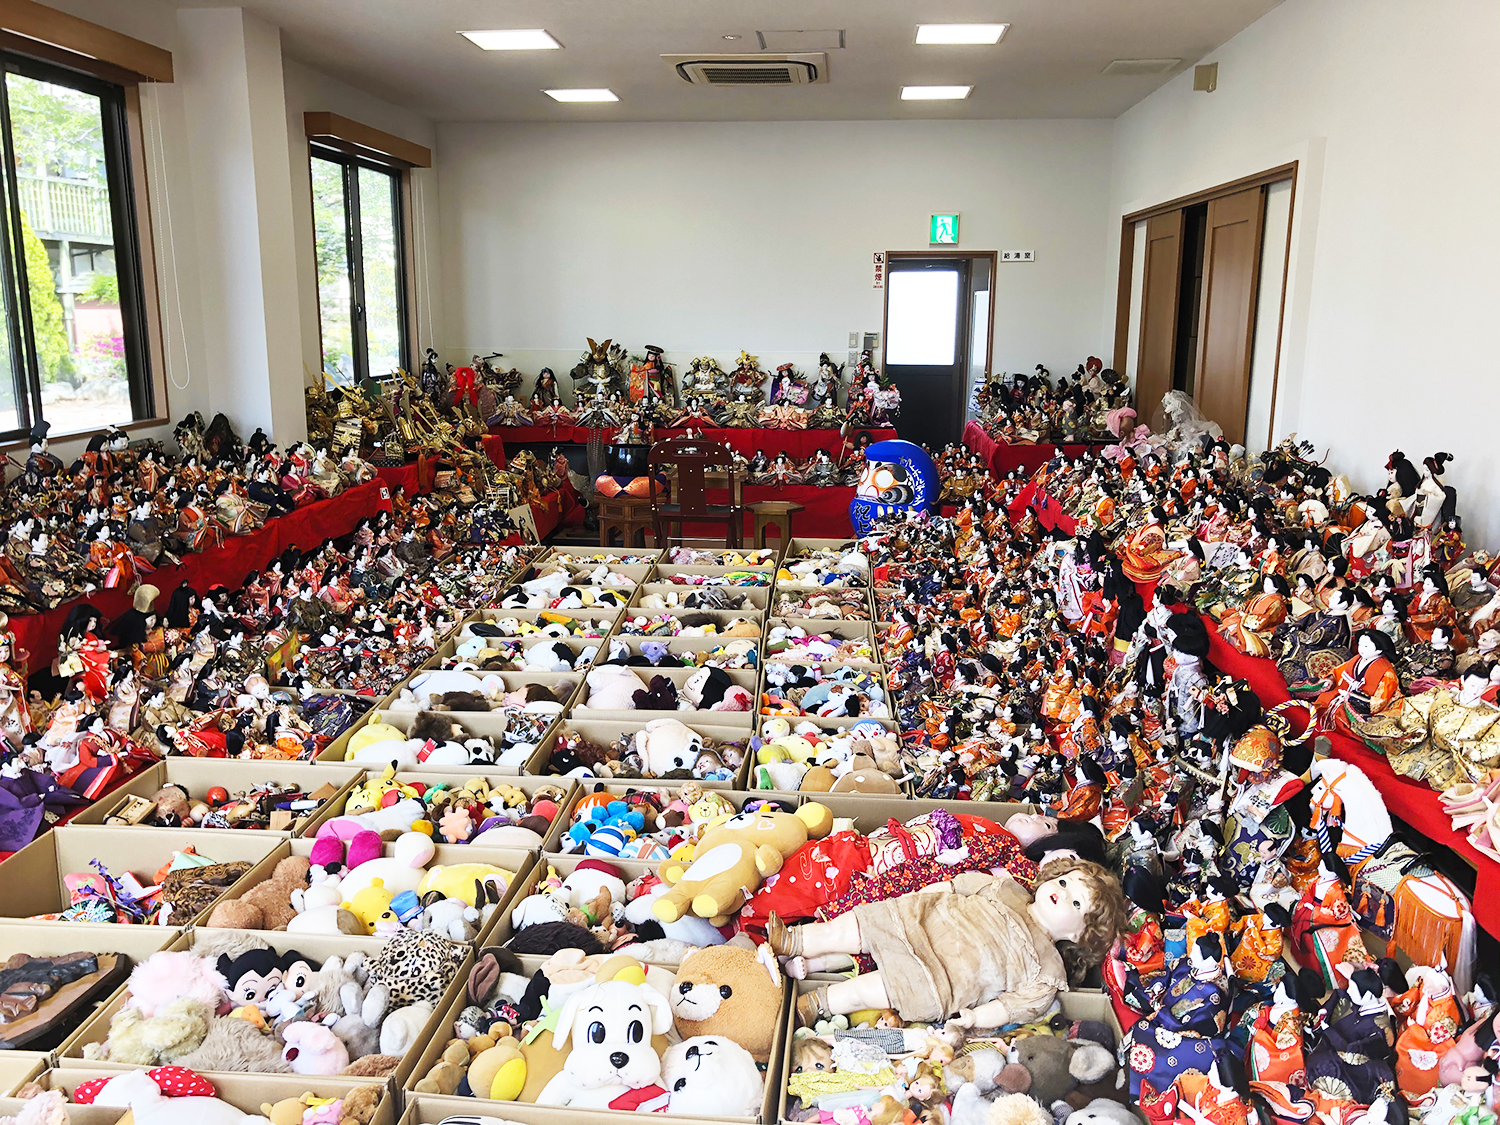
[
  {"x": 131, "y": 247},
  {"x": 349, "y": 165}
]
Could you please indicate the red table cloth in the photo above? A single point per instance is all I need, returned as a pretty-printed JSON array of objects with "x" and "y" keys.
[
  {"x": 229, "y": 563},
  {"x": 1003, "y": 456},
  {"x": 800, "y": 445},
  {"x": 1408, "y": 800}
]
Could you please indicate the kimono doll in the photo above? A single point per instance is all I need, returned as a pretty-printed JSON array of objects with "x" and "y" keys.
[
  {"x": 978, "y": 950},
  {"x": 1363, "y": 686},
  {"x": 1352, "y": 1062},
  {"x": 1186, "y": 1032},
  {"x": 1312, "y": 648},
  {"x": 1430, "y": 1031},
  {"x": 1144, "y": 553},
  {"x": 1442, "y": 737},
  {"x": 82, "y": 653},
  {"x": 1430, "y": 607},
  {"x": 1248, "y": 629},
  {"x": 15, "y": 715},
  {"x": 1432, "y": 660}
]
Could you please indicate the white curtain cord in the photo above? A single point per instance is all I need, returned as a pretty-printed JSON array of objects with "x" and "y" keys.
[{"x": 157, "y": 163}]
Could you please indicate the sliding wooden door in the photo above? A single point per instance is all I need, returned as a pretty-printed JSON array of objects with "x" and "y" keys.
[
  {"x": 1160, "y": 299},
  {"x": 1226, "y": 318}
]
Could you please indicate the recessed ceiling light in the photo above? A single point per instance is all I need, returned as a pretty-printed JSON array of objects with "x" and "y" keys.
[
  {"x": 934, "y": 93},
  {"x": 581, "y": 95},
  {"x": 527, "y": 39},
  {"x": 982, "y": 33}
]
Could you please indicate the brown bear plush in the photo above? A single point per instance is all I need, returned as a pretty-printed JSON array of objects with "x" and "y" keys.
[
  {"x": 265, "y": 906},
  {"x": 731, "y": 991}
]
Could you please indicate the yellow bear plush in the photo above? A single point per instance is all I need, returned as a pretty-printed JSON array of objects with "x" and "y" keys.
[{"x": 732, "y": 857}]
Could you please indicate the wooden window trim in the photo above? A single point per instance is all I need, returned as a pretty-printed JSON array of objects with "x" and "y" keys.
[
  {"x": 1270, "y": 176},
  {"x": 73, "y": 42},
  {"x": 358, "y": 139},
  {"x": 156, "y": 354}
]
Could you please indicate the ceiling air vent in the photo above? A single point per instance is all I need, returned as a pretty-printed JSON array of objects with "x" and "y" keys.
[
  {"x": 751, "y": 70},
  {"x": 1142, "y": 66}
]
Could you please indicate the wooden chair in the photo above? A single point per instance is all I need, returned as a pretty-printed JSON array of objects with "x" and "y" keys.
[{"x": 692, "y": 457}]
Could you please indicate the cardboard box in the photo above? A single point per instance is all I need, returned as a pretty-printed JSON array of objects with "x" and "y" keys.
[
  {"x": 607, "y": 730},
  {"x": 198, "y": 775},
  {"x": 317, "y": 947},
  {"x": 581, "y": 556},
  {"x": 744, "y": 677},
  {"x": 431, "y": 1109},
  {"x": 756, "y": 597},
  {"x": 517, "y": 860},
  {"x": 32, "y": 879},
  {"x": 482, "y": 724},
  {"x": 1076, "y": 1005},
  {"x": 836, "y": 629},
  {"x": 722, "y": 617},
  {"x": 513, "y": 681},
  {"x": 18, "y": 1068},
  {"x": 603, "y": 618},
  {"x": 244, "y": 1091},
  {"x": 676, "y": 645},
  {"x": 457, "y": 779},
  {"x": 665, "y": 791},
  {"x": 523, "y": 1111}
]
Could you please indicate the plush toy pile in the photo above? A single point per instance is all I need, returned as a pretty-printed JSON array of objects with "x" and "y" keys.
[
  {"x": 175, "y": 894},
  {"x": 662, "y": 748},
  {"x": 234, "y": 1003},
  {"x": 270, "y": 804}
]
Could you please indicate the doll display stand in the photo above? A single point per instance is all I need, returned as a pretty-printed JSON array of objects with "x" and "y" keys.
[
  {"x": 800, "y": 445},
  {"x": 1003, "y": 456}
]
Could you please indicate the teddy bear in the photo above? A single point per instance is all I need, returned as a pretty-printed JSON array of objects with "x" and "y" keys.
[
  {"x": 717, "y": 883},
  {"x": 731, "y": 992},
  {"x": 267, "y": 905}
]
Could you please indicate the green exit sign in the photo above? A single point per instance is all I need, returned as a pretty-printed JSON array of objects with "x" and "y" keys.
[{"x": 942, "y": 230}]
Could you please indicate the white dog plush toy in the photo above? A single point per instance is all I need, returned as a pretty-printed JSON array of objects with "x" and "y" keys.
[
  {"x": 612, "y": 1064},
  {"x": 710, "y": 1076}
]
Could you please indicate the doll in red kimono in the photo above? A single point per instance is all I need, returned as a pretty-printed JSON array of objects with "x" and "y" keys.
[{"x": 1364, "y": 686}]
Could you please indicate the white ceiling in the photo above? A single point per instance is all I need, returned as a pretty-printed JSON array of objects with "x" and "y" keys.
[{"x": 1048, "y": 65}]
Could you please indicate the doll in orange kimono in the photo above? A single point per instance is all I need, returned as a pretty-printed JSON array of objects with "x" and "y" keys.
[
  {"x": 1430, "y": 607},
  {"x": 1248, "y": 629},
  {"x": 1144, "y": 554},
  {"x": 1363, "y": 686},
  {"x": 1432, "y": 1029}
]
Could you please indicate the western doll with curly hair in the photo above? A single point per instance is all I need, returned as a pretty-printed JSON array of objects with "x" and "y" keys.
[{"x": 977, "y": 950}]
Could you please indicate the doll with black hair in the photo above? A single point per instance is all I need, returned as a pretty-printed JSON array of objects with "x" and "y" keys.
[
  {"x": 1430, "y": 606},
  {"x": 1249, "y": 628}
]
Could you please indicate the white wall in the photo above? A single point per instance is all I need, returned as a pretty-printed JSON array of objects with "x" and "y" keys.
[
  {"x": 307, "y": 90},
  {"x": 1391, "y": 108},
  {"x": 709, "y": 238}
]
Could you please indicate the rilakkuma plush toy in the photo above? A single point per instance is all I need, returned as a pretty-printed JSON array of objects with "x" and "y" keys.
[
  {"x": 731, "y": 992},
  {"x": 711, "y": 689},
  {"x": 754, "y": 846},
  {"x": 611, "y": 688},
  {"x": 612, "y": 1064},
  {"x": 711, "y": 1076},
  {"x": 267, "y": 905},
  {"x": 668, "y": 747},
  {"x": 165, "y": 1096}
]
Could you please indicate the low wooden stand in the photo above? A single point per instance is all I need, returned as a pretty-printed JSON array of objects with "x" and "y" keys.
[
  {"x": 777, "y": 514},
  {"x": 627, "y": 515}
]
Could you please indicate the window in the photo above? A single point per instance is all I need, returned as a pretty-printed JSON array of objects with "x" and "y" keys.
[
  {"x": 73, "y": 329},
  {"x": 357, "y": 226}
]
